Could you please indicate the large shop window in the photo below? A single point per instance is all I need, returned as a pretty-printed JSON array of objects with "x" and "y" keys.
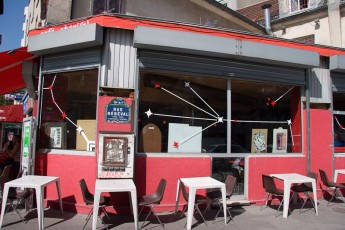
[
  {"x": 339, "y": 122},
  {"x": 188, "y": 114},
  {"x": 179, "y": 114},
  {"x": 68, "y": 115},
  {"x": 266, "y": 118}
]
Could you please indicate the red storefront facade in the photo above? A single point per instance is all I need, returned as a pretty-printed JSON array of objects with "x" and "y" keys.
[{"x": 155, "y": 55}]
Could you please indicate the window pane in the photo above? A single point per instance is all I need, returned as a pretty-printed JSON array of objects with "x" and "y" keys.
[
  {"x": 223, "y": 167},
  {"x": 185, "y": 114},
  {"x": 339, "y": 122},
  {"x": 110, "y": 6},
  {"x": 69, "y": 101},
  {"x": 99, "y": 6},
  {"x": 260, "y": 114}
]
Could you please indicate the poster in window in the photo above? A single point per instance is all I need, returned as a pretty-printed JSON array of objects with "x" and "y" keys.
[
  {"x": 259, "y": 141},
  {"x": 279, "y": 140},
  {"x": 55, "y": 135}
]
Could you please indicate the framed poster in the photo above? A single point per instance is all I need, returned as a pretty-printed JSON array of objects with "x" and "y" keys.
[
  {"x": 55, "y": 135},
  {"x": 115, "y": 155},
  {"x": 259, "y": 141},
  {"x": 279, "y": 140},
  {"x": 114, "y": 151}
]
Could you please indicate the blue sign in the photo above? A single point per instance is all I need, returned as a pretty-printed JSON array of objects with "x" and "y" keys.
[{"x": 118, "y": 111}]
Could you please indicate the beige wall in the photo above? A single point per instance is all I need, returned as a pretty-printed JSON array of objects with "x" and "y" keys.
[{"x": 322, "y": 33}]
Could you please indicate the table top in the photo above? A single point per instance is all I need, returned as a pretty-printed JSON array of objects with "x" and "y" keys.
[
  {"x": 31, "y": 181},
  {"x": 201, "y": 182},
  {"x": 293, "y": 177},
  {"x": 114, "y": 185}
]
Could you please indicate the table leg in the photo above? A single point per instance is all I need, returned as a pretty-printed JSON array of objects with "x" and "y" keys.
[
  {"x": 40, "y": 209},
  {"x": 315, "y": 196},
  {"x": 177, "y": 196},
  {"x": 3, "y": 206},
  {"x": 224, "y": 203},
  {"x": 135, "y": 207},
  {"x": 59, "y": 195},
  {"x": 191, "y": 202},
  {"x": 97, "y": 196},
  {"x": 286, "y": 199}
]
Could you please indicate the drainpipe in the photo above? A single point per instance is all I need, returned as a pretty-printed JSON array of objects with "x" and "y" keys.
[{"x": 267, "y": 13}]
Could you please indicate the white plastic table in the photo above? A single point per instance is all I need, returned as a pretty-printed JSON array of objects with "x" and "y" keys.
[
  {"x": 336, "y": 172},
  {"x": 34, "y": 182},
  {"x": 115, "y": 185},
  {"x": 193, "y": 184},
  {"x": 292, "y": 178}
]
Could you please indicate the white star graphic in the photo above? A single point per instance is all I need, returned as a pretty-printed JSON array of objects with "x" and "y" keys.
[{"x": 148, "y": 113}]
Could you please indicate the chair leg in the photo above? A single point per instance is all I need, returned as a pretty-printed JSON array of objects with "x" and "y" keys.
[
  {"x": 266, "y": 201},
  {"x": 307, "y": 194},
  {"x": 281, "y": 203},
  {"x": 221, "y": 209},
  {"x": 183, "y": 210},
  {"x": 146, "y": 219},
  {"x": 88, "y": 217},
  {"x": 156, "y": 216},
  {"x": 209, "y": 203},
  {"x": 14, "y": 208},
  {"x": 90, "y": 213},
  {"x": 105, "y": 213},
  {"x": 334, "y": 195},
  {"x": 196, "y": 207}
]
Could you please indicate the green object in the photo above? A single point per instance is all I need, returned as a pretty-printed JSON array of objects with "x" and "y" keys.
[{"x": 26, "y": 142}]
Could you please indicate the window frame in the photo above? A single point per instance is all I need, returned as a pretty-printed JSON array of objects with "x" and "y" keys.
[
  {"x": 228, "y": 153},
  {"x": 39, "y": 110}
]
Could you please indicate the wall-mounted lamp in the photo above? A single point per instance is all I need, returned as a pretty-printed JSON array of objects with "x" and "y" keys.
[
  {"x": 317, "y": 23},
  {"x": 283, "y": 30}
]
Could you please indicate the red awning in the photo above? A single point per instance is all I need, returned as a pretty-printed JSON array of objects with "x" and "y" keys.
[
  {"x": 11, "y": 70},
  {"x": 11, "y": 113}
]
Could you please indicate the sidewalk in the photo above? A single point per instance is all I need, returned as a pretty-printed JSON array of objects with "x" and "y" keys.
[{"x": 244, "y": 218}]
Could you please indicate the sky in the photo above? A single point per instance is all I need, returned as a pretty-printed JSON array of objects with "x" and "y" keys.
[{"x": 11, "y": 24}]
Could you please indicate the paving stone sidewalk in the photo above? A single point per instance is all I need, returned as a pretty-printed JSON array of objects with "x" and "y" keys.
[{"x": 244, "y": 218}]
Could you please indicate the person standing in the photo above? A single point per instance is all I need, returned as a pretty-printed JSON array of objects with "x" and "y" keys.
[{"x": 9, "y": 150}]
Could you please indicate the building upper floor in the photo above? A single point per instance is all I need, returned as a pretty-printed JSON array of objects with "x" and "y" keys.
[{"x": 209, "y": 13}]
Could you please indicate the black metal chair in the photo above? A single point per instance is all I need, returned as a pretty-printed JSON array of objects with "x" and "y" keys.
[
  {"x": 239, "y": 178},
  {"x": 89, "y": 200},
  {"x": 216, "y": 195},
  {"x": 333, "y": 186},
  {"x": 7, "y": 172},
  {"x": 152, "y": 200},
  {"x": 305, "y": 188},
  {"x": 271, "y": 190},
  {"x": 199, "y": 199}
]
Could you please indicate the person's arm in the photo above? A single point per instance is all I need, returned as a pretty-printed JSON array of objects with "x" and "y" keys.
[
  {"x": 13, "y": 152},
  {"x": 5, "y": 147}
]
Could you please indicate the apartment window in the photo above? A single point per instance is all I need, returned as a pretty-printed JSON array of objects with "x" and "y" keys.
[
  {"x": 296, "y": 5},
  {"x": 109, "y": 6},
  {"x": 69, "y": 110}
]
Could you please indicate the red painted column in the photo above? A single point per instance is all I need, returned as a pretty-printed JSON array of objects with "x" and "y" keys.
[{"x": 321, "y": 142}]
